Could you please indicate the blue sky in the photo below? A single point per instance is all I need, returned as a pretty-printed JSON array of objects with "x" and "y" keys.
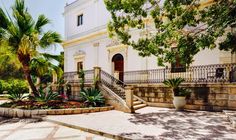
[{"x": 52, "y": 9}]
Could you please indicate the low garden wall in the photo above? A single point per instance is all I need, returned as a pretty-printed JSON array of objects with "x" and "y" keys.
[
  {"x": 210, "y": 97},
  {"x": 20, "y": 113}
]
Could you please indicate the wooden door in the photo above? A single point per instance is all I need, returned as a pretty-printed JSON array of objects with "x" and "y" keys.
[{"x": 119, "y": 66}]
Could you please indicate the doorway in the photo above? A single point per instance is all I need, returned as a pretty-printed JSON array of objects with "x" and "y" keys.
[{"x": 118, "y": 61}]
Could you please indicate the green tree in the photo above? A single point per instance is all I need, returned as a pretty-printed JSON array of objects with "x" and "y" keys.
[
  {"x": 190, "y": 25},
  {"x": 42, "y": 66},
  {"x": 22, "y": 37}
]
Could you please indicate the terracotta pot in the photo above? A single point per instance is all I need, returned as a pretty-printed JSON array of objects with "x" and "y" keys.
[{"x": 179, "y": 102}]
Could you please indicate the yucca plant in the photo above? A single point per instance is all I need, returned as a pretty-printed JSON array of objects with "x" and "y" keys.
[
  {"x": 46, "y": 96},
  {"x": 174, "y": 85},
  {"x": 92, "y": 97}
]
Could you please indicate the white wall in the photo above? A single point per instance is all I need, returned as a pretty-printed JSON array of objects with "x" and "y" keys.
[{"x": 94, "y": 15}]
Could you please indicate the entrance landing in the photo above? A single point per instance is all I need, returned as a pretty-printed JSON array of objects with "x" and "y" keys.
[{"x": 152, "y": 123}]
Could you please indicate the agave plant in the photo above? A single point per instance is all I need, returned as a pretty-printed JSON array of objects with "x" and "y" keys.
[
  {"x": 92, "y": 97},
  {"x": 16, "y": 96},
  {"x": 174, "y": 85},
  {"x": 46, "y": 95}
]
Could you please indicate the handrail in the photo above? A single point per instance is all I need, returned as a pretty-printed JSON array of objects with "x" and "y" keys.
[
  {"x": 214, "y": 73},
  {"x": 73, "y": 76},
  {"x": 114, "y": 84},
  {"x": 107, "y": 75}
]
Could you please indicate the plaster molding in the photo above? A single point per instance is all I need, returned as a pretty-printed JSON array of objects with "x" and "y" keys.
[
  {"x": 79, "y": 55},
  {"x": 84, "y": 38}
]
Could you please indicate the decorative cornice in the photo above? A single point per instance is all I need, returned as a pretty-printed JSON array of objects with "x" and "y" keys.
[
  {"x": 117, "y": 48},
  {"x": 79, "y": 54},
  {"x": 113, "y": 42},
  {"x": 84, "y": 38},
  {"x": 74, "y": 4}
]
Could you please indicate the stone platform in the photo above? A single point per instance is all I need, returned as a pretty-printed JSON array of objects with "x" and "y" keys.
[
  {"x": 152, "y": 123},
  {"x": 231, "y": 116}
]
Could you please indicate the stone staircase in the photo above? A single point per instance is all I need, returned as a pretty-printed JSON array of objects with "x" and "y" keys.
[
  {"x": 117, "y": 88},
  {"x": 118, "y": 91},
  {"x": 138, "y": 104},
  {"x": 231, "y": 115}
]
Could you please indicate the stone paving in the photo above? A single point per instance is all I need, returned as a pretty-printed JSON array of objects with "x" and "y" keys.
[
  {"x": 29, "y": 129},
  {"x": 155, "y": 123}
]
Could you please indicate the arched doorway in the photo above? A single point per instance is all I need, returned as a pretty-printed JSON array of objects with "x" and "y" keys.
[{"x": 118, "y": 66}]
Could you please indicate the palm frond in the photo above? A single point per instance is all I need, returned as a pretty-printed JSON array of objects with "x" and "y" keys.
[
  {"x": 42, "y": 20},
  {"x": 23, "y": 19},
  {"x": 51, "y": 57},
  {"x": 50, "y": 38},
  {"x": 8, "y": 57},
  {"x": 4, "y": 19}
]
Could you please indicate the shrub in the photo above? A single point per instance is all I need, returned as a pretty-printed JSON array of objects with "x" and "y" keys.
[
  {"x": 4, "y": 86},
  {"x": 1, "y": 88},
  {"x": 17, "y": 86},
  {"x": 46, "y": 95},
  {"x": 82, "y": 79},
  {"x": 92, "y": 97},
  {"x": 16, "y": 90}
]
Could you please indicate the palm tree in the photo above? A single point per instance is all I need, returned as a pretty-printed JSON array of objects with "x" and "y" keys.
[
  {"x": 24, "y": 36},
  {"x": 174, "y": 84},
  {"x": 42, "y": 65}
]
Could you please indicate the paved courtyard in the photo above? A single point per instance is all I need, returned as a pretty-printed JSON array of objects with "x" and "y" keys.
[
  {"x": 29, "y": 129},
  {"x": 155, "y": 123}
]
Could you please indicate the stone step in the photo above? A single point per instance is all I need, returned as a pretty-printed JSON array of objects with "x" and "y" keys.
[
  {"x": 231, "y": 115},
  {"x": 136, "y": 107},
  {"x": 137, "y": 103}
]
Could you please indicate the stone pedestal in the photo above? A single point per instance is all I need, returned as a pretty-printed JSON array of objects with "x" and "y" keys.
[
  {"x": 97, "y": 73},
  {"x": 129, "y": 98}
]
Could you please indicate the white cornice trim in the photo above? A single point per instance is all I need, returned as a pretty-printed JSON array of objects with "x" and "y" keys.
[{"x": 75, "y": 4}]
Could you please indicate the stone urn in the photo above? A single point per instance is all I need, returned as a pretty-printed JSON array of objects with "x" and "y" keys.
[{"x": 179, "y": 102}]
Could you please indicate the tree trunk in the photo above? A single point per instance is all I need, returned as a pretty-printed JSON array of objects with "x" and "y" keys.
[{"x": 26, "y": 70}]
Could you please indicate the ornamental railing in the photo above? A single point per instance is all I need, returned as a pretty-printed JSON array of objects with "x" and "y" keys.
[
  {"x": 219, "y": 73},
  {"x": 113, "y": 84},
  {"x": 73, "y": 77}
]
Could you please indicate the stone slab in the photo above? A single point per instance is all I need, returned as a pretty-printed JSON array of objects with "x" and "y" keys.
[{"x": 153, "y": 123}]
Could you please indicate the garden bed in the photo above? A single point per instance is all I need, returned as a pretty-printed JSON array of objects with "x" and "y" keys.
[
  {"x": 32, "y": 105},
  {"x": 24, "y": 113}
]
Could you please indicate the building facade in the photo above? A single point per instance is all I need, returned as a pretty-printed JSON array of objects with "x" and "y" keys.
[{"x": 87, "y": 44}]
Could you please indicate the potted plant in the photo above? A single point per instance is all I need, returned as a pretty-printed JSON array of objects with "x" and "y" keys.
[{"x": 179, "y": 93}]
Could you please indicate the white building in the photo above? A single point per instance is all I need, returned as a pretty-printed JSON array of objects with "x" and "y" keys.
[{"x": 87, "y": 43}]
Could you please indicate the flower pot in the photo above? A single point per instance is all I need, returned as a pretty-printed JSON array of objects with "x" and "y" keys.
[{"x": 179, "y": 102}]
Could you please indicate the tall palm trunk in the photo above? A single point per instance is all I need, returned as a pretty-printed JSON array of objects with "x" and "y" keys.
[
  {"x": 27, "y": 75},
  {"x": 25, "y": 59}
]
